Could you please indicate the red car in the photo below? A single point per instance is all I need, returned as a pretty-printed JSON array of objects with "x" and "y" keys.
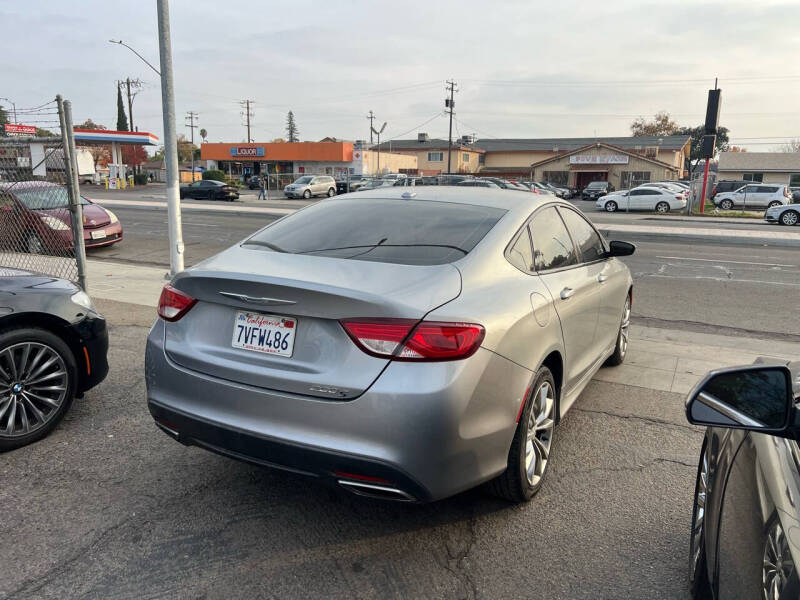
[{"x": 35, "y": 218}]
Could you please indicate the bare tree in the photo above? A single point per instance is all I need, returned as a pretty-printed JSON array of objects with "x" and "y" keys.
[
  {"x": 662, "y": 124},
  {"x": 791, "y": 146}
]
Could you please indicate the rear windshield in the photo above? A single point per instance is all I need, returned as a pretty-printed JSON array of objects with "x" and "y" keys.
[{"x": 411, "y": 232}]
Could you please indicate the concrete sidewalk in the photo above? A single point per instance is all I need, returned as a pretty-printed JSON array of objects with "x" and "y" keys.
[{"x": 658, "y": 359}]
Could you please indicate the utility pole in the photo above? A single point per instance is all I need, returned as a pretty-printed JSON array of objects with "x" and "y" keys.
[
  {"x": 170, "y": 140},
  {"x": 371, "y": 118},
  {"x": 450, "y": 104},
  {"x": 192, "y": 125},
  {"x": 247, "y": 114}
]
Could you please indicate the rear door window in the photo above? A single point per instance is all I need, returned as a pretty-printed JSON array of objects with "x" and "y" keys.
[
  {"x": 552, "y": 246},
  {"x": 413, "y": 232},
  {"x": 586, "y": 238}
]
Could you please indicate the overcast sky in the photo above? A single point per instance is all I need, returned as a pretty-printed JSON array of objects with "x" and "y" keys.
[{"x": 524, "y": 68}]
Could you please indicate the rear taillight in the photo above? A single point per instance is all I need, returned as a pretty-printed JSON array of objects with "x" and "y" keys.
[
  {"x": 404, "y": 339},
  {"x": 173, "y": 303}
]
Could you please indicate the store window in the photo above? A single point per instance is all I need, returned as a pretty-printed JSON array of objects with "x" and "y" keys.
[
  {"x": 630, "y": 179},
  {"x": 556, "y": 177},
  {"x": 465, "y": 157},
  {"x": 758, "y": 177},
  {"x": 481, "y": 159},
  {"x": 435, "y": 156},
  {"x": 794, "y": 181}
]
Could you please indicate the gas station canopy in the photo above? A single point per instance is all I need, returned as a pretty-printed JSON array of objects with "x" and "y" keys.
[{"x": 107, "y": 136}]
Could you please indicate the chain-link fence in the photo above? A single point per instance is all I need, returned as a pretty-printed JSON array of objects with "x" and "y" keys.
[{"x": 41, "y": 222}]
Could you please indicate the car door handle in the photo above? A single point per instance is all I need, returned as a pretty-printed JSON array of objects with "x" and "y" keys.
[
  {"x": 602, "y": 278},
  {"x": 567, "y": 293}
]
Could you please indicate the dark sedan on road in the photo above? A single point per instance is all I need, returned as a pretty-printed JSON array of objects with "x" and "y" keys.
[
  {"x": 53, "y": 346},
  {"x": 207, "y": 189},
  {"x": 746, "y": 519},
  {"x": 35, "y": 218}
]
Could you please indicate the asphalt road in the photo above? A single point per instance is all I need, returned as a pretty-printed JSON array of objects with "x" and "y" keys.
[
  {"x": 110, "y": 507},
  {"x": 743, "y": 287}
]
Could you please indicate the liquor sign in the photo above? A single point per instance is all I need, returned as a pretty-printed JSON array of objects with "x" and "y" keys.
[
  {"x": 599, "y": 159},
  {"x": 247, "y": 151},
  {"x": 16, "y": 129}
]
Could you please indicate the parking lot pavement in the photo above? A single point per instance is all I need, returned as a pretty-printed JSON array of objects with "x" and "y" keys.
[{"x": 108, "y": 506}]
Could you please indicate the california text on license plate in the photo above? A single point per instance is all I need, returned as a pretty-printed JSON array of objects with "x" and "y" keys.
[{"x": 270, "y": 334}]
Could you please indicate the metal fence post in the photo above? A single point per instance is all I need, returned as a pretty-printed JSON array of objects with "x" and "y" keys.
[{"x": 73, "y": 189}]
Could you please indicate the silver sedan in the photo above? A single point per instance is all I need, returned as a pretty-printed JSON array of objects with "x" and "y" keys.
[{"x": 405, "y": 345}]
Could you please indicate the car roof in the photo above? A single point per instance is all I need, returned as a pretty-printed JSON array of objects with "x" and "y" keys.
[{"x": 478, "y": 196}]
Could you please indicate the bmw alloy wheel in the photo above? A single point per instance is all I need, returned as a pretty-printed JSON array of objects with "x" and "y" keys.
[
  {"x": 777, "y": 564},
  {"x": 539, "y": 433},
  {"x": 33, "y": 386}
]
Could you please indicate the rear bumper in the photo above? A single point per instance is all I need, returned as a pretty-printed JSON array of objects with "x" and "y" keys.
[{"x": 429, "y": 430}]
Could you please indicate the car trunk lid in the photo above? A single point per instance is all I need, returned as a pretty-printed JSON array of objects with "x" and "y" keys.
[{"x": 317, "y": 292}]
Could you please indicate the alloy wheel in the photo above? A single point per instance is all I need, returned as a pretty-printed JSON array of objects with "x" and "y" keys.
[
  {"x": 698, "y": 523},
  {"x": 33, "y": 386},
  {"x": 611, "y": 206},
  {"x": 624, "y": 328},
  {"x": 726, "y": 205},
  {"x": 777, "y": 564},
  {"x": 539, "y": 433},
  {"x": 789, "y": 218},
  {"x": 662, "y": 207}
]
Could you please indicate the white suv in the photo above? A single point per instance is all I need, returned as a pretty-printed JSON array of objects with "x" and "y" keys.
[
  {"x": 756, "y": 195},
  {"x": 311, "y": 185}
]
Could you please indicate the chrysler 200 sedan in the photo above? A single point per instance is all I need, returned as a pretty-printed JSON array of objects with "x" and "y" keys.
[{"x": 403, "y": 345}]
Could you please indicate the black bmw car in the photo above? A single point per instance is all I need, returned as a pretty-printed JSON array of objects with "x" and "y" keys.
[
  {"x": 745, "y": 537},
  {"x": 53, "y": 348},
  {"x": 208, "y": 189}
]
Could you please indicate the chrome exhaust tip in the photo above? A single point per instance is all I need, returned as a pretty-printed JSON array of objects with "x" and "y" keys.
[{"x": 380, "y": 492}]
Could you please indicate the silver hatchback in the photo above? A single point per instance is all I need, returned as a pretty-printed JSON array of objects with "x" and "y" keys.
[
  {"x": 402, "y": 345},
  {"x": 308, "y": 186}
]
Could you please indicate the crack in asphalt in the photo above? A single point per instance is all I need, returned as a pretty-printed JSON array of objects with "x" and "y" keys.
[
  {"x": 651, "y": 420},
  {"x": 454, "y": 562},
  {"x": 637, "y": 469}
]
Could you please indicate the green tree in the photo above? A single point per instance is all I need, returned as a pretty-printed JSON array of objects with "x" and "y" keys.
[
  {"x": 122, "y": 120},
  {"x": 291, "y": 128},
  {"x": 3, "y": 120},
  {"x": 44, "y": 132},
  {"x": 185, "y": 149},
  {"x": 697, "y": 133},
  {"x": 662, "y": 124}
]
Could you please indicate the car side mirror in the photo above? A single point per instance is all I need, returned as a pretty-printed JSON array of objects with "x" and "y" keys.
[
  {"x": 755, "y": 398},
  {"x": 617, "y": 248}
]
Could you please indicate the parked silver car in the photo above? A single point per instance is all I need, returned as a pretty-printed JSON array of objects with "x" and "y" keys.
[
  {"x": 401, "y": 344},
  {"x": 311, "y": 185},
  {"x": 754, "y": 195}
]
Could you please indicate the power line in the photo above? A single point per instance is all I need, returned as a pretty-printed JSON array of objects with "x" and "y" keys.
[{"x": 438, "y": 114}]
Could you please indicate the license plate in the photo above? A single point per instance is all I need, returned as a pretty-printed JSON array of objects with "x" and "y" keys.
[
  {"x": 269, "y": 334},
  {"x": 98, "y": 235}
]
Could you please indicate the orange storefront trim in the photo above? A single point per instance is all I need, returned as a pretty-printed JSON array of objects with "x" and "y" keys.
[{"x": 310, "y": 151}]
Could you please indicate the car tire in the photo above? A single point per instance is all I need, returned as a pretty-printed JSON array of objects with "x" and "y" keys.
[
  {"x": 662, "y": 207},
  {"x": 789, "y": 217},
  {"x": 529, "y": 455},
  {"x": 33, "y": 243},
  {"x": 621, "y": 346},
  {"x": 610, "y": 206},
  {"x": 774, "y": 203},
  {"x": 62, "y": 373},
  {"x": 699, "y": 588},
  {"x": 307, "y": 194},
  {"x": 331, "y": 192},
  {"x": 726, "y": 204}
]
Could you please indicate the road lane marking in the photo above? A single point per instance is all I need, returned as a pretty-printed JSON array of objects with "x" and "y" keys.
[
  {"x": 734, "y": 262},
  {"x": 724, "y": 279}
]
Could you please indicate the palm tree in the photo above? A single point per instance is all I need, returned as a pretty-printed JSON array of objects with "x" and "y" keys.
[{"x": 204, "y": 135}]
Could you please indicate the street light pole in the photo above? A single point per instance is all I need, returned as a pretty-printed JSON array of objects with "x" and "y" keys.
[{"x": 170, "y": 140}]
